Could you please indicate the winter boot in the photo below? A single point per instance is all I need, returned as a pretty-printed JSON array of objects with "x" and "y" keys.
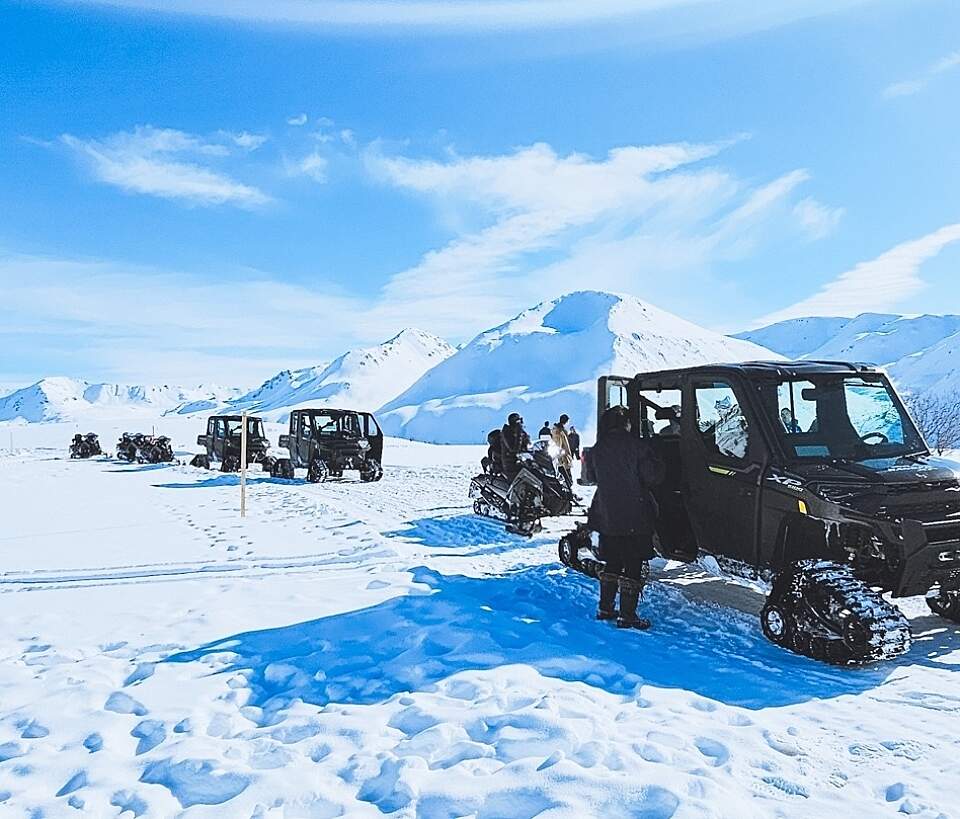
[
  {"x": 629, "y": 596},
  {"x": 608, "y": 596}
]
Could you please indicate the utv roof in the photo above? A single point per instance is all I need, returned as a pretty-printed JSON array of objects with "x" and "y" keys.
[
  {"x": 235, "y": 417},
  {"x": 329, "y": 411},
  {"x": 778, "y": 369}
]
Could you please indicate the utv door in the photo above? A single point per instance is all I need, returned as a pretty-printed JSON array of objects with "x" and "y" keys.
[
  {"x": 371, "y": 431},
  {"x": 612, "y": 391},
  {"x": 218, "y": 442},
  {"x": 720, "y": 446}
]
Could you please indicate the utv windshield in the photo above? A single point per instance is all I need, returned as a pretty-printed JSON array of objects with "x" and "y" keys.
[
  {"x": 847, "y": 417},
  {"x": 254, "y": 428}
]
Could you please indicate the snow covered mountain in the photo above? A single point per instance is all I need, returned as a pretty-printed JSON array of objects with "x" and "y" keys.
[
  {"x": 920, "y": 352},
  {"x": 67, "y": 399},
  {"x": 360, "y": 379},
  {"x": 546, "y": 361}
]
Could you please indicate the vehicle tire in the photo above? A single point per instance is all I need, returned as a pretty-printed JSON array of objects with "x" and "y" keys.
[
  {"x": 282, "y": 468},
  {"x": 775, "y": 623},
  {"x": 200, "y": 462},
  {"x": 318, "y": 471},
  {"x": 945, "y": 603},
  {"x": 371, "y": 472},
  {"x": 230, "y": 464}
]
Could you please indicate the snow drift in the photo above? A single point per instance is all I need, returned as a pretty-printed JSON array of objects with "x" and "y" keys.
[{"x": 546, "y": 361}]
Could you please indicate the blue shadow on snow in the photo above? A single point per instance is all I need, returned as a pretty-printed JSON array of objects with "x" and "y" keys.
[{"x": 538, "y": 616}]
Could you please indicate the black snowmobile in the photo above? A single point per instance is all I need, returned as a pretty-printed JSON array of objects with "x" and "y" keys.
[
  {"x": 537, "y": 490},
  {"x": 807, "y": 476},
  {"x": 222, "y": 444},
  {"x": 85, "y": 446},
  {"x": 144, "y": 449}
]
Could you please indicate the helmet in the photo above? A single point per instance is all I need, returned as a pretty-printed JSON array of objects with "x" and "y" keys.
[{"x": 514, "y": 418}]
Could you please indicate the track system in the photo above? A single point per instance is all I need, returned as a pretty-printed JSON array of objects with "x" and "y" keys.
[{"x": 821, "y": 610}]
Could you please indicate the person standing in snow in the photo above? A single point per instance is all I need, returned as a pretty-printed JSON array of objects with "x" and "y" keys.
[
  {"x": 559, "y": 435},
  {"x": 574, "y": 438},
  {"x": 624, "y": 513},
  {"x": 513, "y": 441},
  {"x": 545, "y": 430}
]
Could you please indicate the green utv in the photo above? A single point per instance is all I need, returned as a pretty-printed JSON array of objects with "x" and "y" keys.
[
  {"x": 326, "y": 442},
  {"x": 809, "y": 476}
]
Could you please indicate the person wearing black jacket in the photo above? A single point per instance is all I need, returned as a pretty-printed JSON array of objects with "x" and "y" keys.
[
  {"x": 624, "y": 512},
  {"x": 574, "y": 437},
  {"x": 513, "y": 440}
]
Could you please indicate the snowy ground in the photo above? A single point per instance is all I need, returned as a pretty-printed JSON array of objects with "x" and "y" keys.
[{"x": 368, "y": 649}]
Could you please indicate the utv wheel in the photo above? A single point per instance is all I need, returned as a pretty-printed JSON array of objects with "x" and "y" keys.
[
  {"x": 945, "y": 603},
  {"x": 318, "y": 471},
  {"x": 775, "y": 624},
  {"x": 230, "y": 464},
  {"x": 201, "y": 462},
  {"x": 372, "y": 472},
  {"x": 569, "y": 552}
]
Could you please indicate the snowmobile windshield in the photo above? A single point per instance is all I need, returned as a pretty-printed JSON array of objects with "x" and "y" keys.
[{"x": 845, "y": 417}]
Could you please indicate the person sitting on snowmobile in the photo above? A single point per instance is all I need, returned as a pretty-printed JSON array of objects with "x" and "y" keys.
[
  {"x": 624, "y": 513},
  {"x": 559, "y": 435},
  {"x": 513, "y": 441}
]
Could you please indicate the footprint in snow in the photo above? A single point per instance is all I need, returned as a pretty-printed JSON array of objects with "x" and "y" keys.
[{"x": 715, "y": 751}]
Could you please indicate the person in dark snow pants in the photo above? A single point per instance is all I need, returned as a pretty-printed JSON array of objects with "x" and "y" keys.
[
  {"x": 624, "y": 513},
  {"x": 513, "y": 440}
]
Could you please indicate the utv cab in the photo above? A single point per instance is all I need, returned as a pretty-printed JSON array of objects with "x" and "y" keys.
[
  {"x": 222, "y": 443},
  {"x": 810, "y": 476},
  {"x": 327, "y": 442}
]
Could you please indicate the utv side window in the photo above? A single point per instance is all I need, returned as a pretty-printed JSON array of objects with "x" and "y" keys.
[
  {"x": 220, "y": 430},
  {"x": 720, "y": 420},
  {"x": 211, "y": 425},
  {"x": 616, "y": 395},
  {"x": 660, "y": 413}
]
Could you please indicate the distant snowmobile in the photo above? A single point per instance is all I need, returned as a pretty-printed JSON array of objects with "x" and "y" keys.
[
  {"x": 144, "y": 448},
  {"x": 85, "y": 446},
  {"x": 538, "y": 490}
]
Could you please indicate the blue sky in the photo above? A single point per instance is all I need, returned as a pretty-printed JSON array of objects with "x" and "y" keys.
[{"x": 231, "y": 188}]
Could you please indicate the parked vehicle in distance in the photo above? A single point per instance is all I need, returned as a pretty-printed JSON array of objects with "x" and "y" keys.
[
  {"x": 809, "y": 476},
  {"x": 222, "y": 444},
  {"x": 85, "y": 446},
  {"x": 327, "y": 442},
  {"x": 144, "y": 449}
]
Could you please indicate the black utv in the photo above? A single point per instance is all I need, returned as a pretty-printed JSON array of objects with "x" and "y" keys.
[
  {"x": 326, "y": 442},
  {"x": 809, "y": 476},
  {"x": 223, "y": 444}
]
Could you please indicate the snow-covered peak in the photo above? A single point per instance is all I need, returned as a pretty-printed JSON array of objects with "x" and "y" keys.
[
  {"x": 364, "y": 378},
  {"x": 64, "y": 399},
  {"x": 545, "y": 362}
]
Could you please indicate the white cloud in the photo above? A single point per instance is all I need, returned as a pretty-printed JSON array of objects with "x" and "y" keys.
[
  {"x": 227, "y": 329},
  {"x": 298, "y": 120},
  {"x": 681, "y": 17},
  {"x": 817, "y": 220},
  {"x": 142, "y": 161},
  {"x": 245, "y": 140},
  {"x": 313, "y": 165},
  {"x": 875, "y": 285},
  {"x": 619, "y": 222},
  {"x": 909, "y": 87}
]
